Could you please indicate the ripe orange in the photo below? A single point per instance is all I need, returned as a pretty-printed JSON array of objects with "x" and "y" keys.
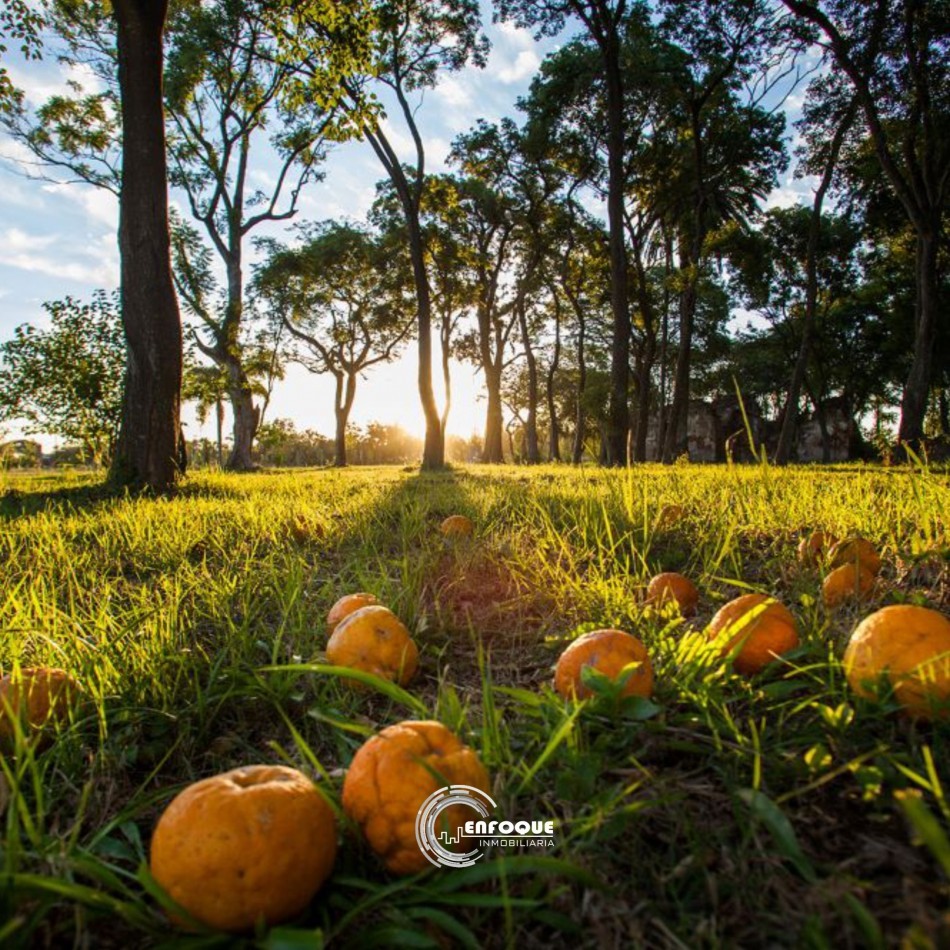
[
  {"x": 909, "y": 647},
  {"x": 374, "y": 639},
  {"x": 37, "y": 696},
  {"x": 609, "y": 652},
  {"x": 764, "y": 627},
  {"x": 253, "y": 843},
  {"x": 390, "y": 777},
  {"x": 347, "y": 605},
  {"x": 671, "y": 586},
  {"x": 849, "y": 582},
  {"x": 856, "y": 551}
]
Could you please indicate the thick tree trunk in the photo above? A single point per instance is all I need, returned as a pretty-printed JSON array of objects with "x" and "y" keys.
[
  {"x": 917, "y": 387},
  {"x": 554, "y": 435},
  {"x": 492, "y": 449},
  {"x": 532, "y": 451},
  {"x": 345, "y": 395},
  {"x": 618, "y": 410},
  {"x": 147, "y": 449},
  {"x": 433, "y": 454},
  {"x": 662, "y": 419},
  {"x": 246, "y": 416}
]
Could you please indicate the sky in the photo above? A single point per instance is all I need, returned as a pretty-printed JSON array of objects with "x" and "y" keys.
[{"x": 59, "y": 239}]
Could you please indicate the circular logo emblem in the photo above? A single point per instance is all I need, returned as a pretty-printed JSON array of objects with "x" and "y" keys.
[{"x": 435, "y": 843}]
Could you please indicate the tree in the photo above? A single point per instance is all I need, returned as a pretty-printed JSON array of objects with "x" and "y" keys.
[
  {"x": 67, "y": 380},
  {"x": 225, "y": 89},
  {"x": 893, "y": 55},
  {"x": 720, "y": 154},
  {"x": 603, "y": 22},
  {"x": 337, "y": 296},
  {"x": 22, "y": 23},
  {"x": 414, "y": 41}
]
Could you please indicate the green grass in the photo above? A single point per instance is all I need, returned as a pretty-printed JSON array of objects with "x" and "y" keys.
[{"x": 772, "y": 812}]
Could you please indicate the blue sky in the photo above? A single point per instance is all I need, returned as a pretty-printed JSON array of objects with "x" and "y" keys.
[{"x": 59, "y": 239}]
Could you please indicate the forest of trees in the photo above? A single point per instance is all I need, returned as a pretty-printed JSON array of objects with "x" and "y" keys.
[{"x": 596, "y": 335}]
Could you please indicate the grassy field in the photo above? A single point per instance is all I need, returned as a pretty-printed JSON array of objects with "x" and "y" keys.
[{"x": 772, "y": 812}]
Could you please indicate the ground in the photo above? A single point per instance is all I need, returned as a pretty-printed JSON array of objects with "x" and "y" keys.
[{"x": 727, "y": 812}]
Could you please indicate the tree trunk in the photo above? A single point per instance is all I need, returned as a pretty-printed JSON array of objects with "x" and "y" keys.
[
  {"x": 618, "y": 410},
  {"x": 943, "y": 409},
  {"x": 219, "y": 415},
  {"x": 492, "y": 449},
  {"x": 662, "y": 420},
  {"x": 147, "y": 449},
  {"x": 433, "y": 454},
  {"x": 917, "y": 387},
  {"x": 580, "y": 416},
  {"x": 687, "y": 311},
  {"x": 532, "y": 451},
  {"x": 444, "y": 336},
  {"x": 554, "y": 436},
  {"x": 345, "y": 394}
]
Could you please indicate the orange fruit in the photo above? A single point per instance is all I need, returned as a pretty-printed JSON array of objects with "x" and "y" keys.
[
  {"x": 374, "y": 639},
  {"x": 347, "y": 605},
  {"x": 457, "y": 526},
  {"x": 848, "y": 582},
  {"x": 909, "y": 647},
  {"x": 671, "y": 586},
  {"x": 609, "y": 652},
  {"x": 37, "y": 696},
  {"x": 764, "y": 627},
  {"x": 253, "y": 843},
  {"x": 391, "y": 776},
  {"x": 856, "y": 551},
  {"x": 812, "y": 547}
]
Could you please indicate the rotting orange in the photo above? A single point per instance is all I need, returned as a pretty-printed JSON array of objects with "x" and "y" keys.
[
  {"x": 391, "y": 776},
  {"x": 674, "y": 587},
  {"x": 609, "y": 652},
  {"x": 38, "y": 697},
  {"x": 848, "y": 582},
  {"x": 909, "y": 648},
  {"x": 374, "y": 639},
  {"x": 856, "y": 551},
  {"x": 347, "y": 605},
  {"x": 457, "y": 526},
  {"x": 255, "y": 843},
  {"x": 760, "y": 626}
]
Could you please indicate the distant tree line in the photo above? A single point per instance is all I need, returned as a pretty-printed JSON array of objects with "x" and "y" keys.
[{"x": 593, "y": 337}]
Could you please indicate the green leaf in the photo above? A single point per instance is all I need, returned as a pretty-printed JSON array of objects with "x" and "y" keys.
[{"x": 781, "y": 830}]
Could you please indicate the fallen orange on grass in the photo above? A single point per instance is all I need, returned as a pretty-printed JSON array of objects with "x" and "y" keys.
[
  {"x": 856, "y": 551},
  {"x": 37, "y": 696},
  {"x": 390, "y": 777},
  {"x": 764, "y": 627},
  {"x": 457, "y": 526},
  {"x": 375, "y": 640},
  {"x": 812, "y": 547},
  {"x": 908, "y": 646},
  {"x": 253, "y": 843},
  {"x": 347, "y": 605},
  {"x": 670, "y": 515},
  {"x": 609, "y": 652},
  {"x": 671, "y": 586},
  {"x": 848, "y": 582}
]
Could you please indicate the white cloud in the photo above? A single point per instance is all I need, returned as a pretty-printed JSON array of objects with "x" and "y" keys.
[
  {"x": 104, "y": 274},
  {"x": 524, "y": 65},
  {"x": 19, "y": 242},
  {"x": 100, "y": 205},
  {"x": 454, "y": 93}
]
